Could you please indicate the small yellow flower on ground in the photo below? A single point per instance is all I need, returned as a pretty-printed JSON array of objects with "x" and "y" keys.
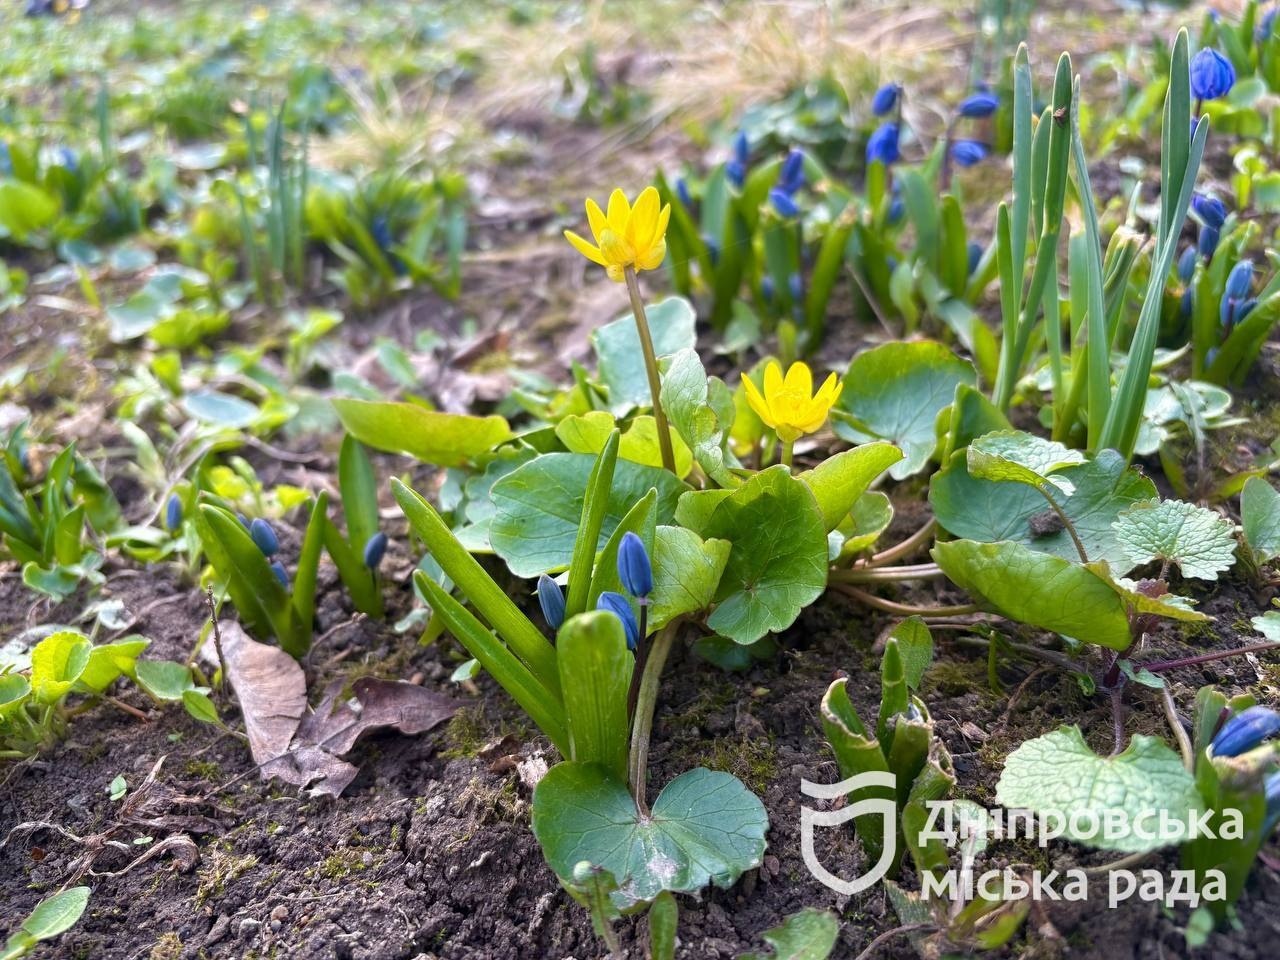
[
  {"x": 789, "y": 404},
  {"x": 626, "y": 236}
]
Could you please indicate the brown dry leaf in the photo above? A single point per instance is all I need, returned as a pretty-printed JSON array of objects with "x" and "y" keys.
[{"x": 271, "y": 689}]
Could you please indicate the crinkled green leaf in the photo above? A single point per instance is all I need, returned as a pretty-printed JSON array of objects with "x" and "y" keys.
[
  {"x": 686, "y": 573},
  {"x": 1260, "y": 517},
  {"x": 1165, "y": 605},
  {"x": 442, "y": 439},
  {"x": 870, "y": 517},
  {"x": 894, "y": 392},
  {"x": 686, "y": 397},
  {"x": 1011, "y": 456},
  {"x": 1200, "y": 542},
  {"x": 977, "y": 509},
  {"x": 1268, "y": 624},
  {"x": 778, "y": 563},
  {"x": 617, "y": 344},
  {"x": 1038, "y": 589},
  {"x": 1059, "y": 775},
  {"x": 538, "y": 506},
  {"x": 57, "y": 662},
  {"x": 14, "y": 690},
  {"x": 705, "y": 827},
  {"x": 110, "y": 660},
  {"x": 588, "y": 432}
]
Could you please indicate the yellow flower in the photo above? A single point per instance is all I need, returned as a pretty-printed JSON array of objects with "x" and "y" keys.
[
  {"x": 626, "y": 236},
  {"x": 790, "y": 405}
]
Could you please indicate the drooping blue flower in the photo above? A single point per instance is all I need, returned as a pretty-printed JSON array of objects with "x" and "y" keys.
[
  {"x": 795, "y": 287},
  {"x": 791, "y": 176},
  {"x": 885, "y": 99},
  {"x": 281, "y": 573},
  {"x": 1210, "y": 210},
  {"x": 375, "y": 548},
  {"x": 969, "y": 153},
  {"x": 173, "y": 512},
  {"x": 1239, "y": 280},
  {"x": 1212, "y": 75},
  {"x": 381, "y": 231},
  {"x": 264, "y": 537},
  {"x": 1187, "y": 265},
  {"x": 736, "y": 168},
  {"x": 781, "y": 202},
  {"x": 1242, "y": 310},
  {"x": 682, "y": 191},
  {"x": 1245, "y": 730},
  {"x": 620, "y": 607},
  {"x": 1207, "y": 242},
  {"x": 981, "y": 103},
  {"x": 1187, "y": 303},
  {"x": 896, "y": 209},
  {"x": 975, "y": 255},
  {"x": 551, "y": 599},
  {"x": 883, "y": 144},
  {"x": 634, "y": 569}
]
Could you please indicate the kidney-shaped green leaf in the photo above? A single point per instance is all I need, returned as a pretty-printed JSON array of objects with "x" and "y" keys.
[
  {"x": 617, "y": 344},
  {"x": 705, "y": 827},
  {"x": 442, "y": 439},
  {"x": 56, "y": 664},
  {"x": 1260, "y": 518},
  {"x": 839, "y": 481},
  {"x": 538, "y": 506}
]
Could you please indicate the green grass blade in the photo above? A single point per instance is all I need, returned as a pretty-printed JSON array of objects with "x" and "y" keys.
[
  {"x": 594, "y": 506},
  {"x": 304, "y": 578},
  {"x": 359, "y": 487},
  {"x": 595, "y": 675}
]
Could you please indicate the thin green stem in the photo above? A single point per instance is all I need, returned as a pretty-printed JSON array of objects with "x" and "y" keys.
[
  {"x": 646, "y": 702},
  {"x": 919, "y": 571},
  {"x": 651, "y": 370},
  {"x": 902, "y": 609},
  {"x": 1067, "y": 524},
  {"x": 905, "y": 547},
  {"x": 788, "y": 448}
]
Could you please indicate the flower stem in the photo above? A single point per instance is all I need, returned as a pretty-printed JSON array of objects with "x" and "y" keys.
[
  {"x": 788, "y": 447},
  {"x": 646, "y": 702},
  {"x": 902, "y": 609},
  {"x": 651, "y": 369},
  {"x": 921, "y": 571}
]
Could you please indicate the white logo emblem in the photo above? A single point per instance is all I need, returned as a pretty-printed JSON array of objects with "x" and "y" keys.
[{"x": 884, "y": 806}]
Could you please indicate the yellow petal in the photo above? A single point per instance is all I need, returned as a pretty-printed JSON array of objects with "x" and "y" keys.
[
  {"x": 800, "y": 380},
  {"x": 663, "y": 219},
  {"x": 615, "y": 249},
  {"x": 619, "y": 211},
  {"x": 651, "y": 259},
  {"x": 756, "y": 401},
  {"x": 811, "y": 418},
  {"x": 829, "y": 392},
  {"x": 772, "y": 379},
  {"x": 587, "y": 250},
  {"x": 596, "y": 219},
  {"x": 642, "y": 223},
  {"x": 615, "y": 273}
]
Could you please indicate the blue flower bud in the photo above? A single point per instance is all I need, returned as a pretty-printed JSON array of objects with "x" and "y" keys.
[
  {"x": 975, "y": 255},
  {"x": 281, "y": 573},
  {"x": 173, "y": 512},
  {"x": 1212, "y": 75},
  {"x": 1267, "y": 26},
  {"x": 791, "y": 177},
  {"x": 551, "y": 599},
  {"x": 375, "y": 549},
  {"x": 766, "y": 288},
  {"x": 620, "y": 607},
  {"x": 885, "y": 99},
  {"x": 264, "y": 537},
  {"x": 741, "y": 148},
  {"x": 682, "y": 191},
  {"x": 1239, "y": 280},
  {"x": 1244, "y": 731},
  {"x": 1187, "y": 303},
  {"x": 244, "y": 521},
  {"x": 736, "y": 173},
  {"x": 713, "y": 248},
  {"x": 634, "y": 569},
  {"x": 983, "y": 103},
  {"x": 1242, "y": 309},
  {"x": 883, "y": 144},
  {"x": 795, "y": 287},
  {"x": 1187, "y": 265},
  {"x": 896, "y": 209},
  {"x": 781, "y": 201},
  {"x": 66, "y": 159},
  {"x": 1207, "y": 242},
  {"x": 381, "y": 232},
  {"x": 968, "y": 153},
  {"x": 1210, "y": 210}
]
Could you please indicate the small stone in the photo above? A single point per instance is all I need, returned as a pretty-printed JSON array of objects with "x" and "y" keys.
[
  {"x": 280, "y": 912},
  {"x": 366, "y": 859},
  {"x": 249, "y": 927}
]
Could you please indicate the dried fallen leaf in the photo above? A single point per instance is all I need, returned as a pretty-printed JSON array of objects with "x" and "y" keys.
[{"x": 270, "y": 687}]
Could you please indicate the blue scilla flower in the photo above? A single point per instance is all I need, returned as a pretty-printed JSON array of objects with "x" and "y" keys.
[
  {"x": 1239, "y": 280},
  {"x": 766, "y": 288},
  {"x": 968, "y": 153},
  {"x": 782, "y": 202},
  {"x": 173, "y": 512},
  {"x": 66, "y": 158},
  {"x": 682, "y": 191},
  {"x": 551, "y": 599},
  {"x": 791, "y": 176},
  {"x": 975, "y": 255},
  {"x": 281, "y": 573},
  {"x": 795, "y": 287},
  {"x": 736, "y": 168},
  {"x": 713, "y": 248},
  {"x": 1187, "y": 303},
  {"x": 1212, "y": 75},
  {"x": 1267, "y": 25},
  {"x": 620, "y": 607},
  {"x": 885, "y": 99},
  {"x": 896, "y": 209},
  {"x": 1187, "y": 265},
  {"x": 1207, "y": 242},
  {"x": 375, "y": 548},
  {"x": 1210, "y": 210},
  {"x": 264, "y": 537},
  {"x": 981, "y": 103},
  {"x": 1244, "y": 731},
  {"x": 381, "y": 232},
  {"x": 634, "y": 569},
  {"x": 883, "y": 144}
]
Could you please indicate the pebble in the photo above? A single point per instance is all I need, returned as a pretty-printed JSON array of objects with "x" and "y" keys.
[
  {"x": 280, "y": 912},
  {"x": 366, "y": 859},
  {"x": 249, "y": 927}
]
